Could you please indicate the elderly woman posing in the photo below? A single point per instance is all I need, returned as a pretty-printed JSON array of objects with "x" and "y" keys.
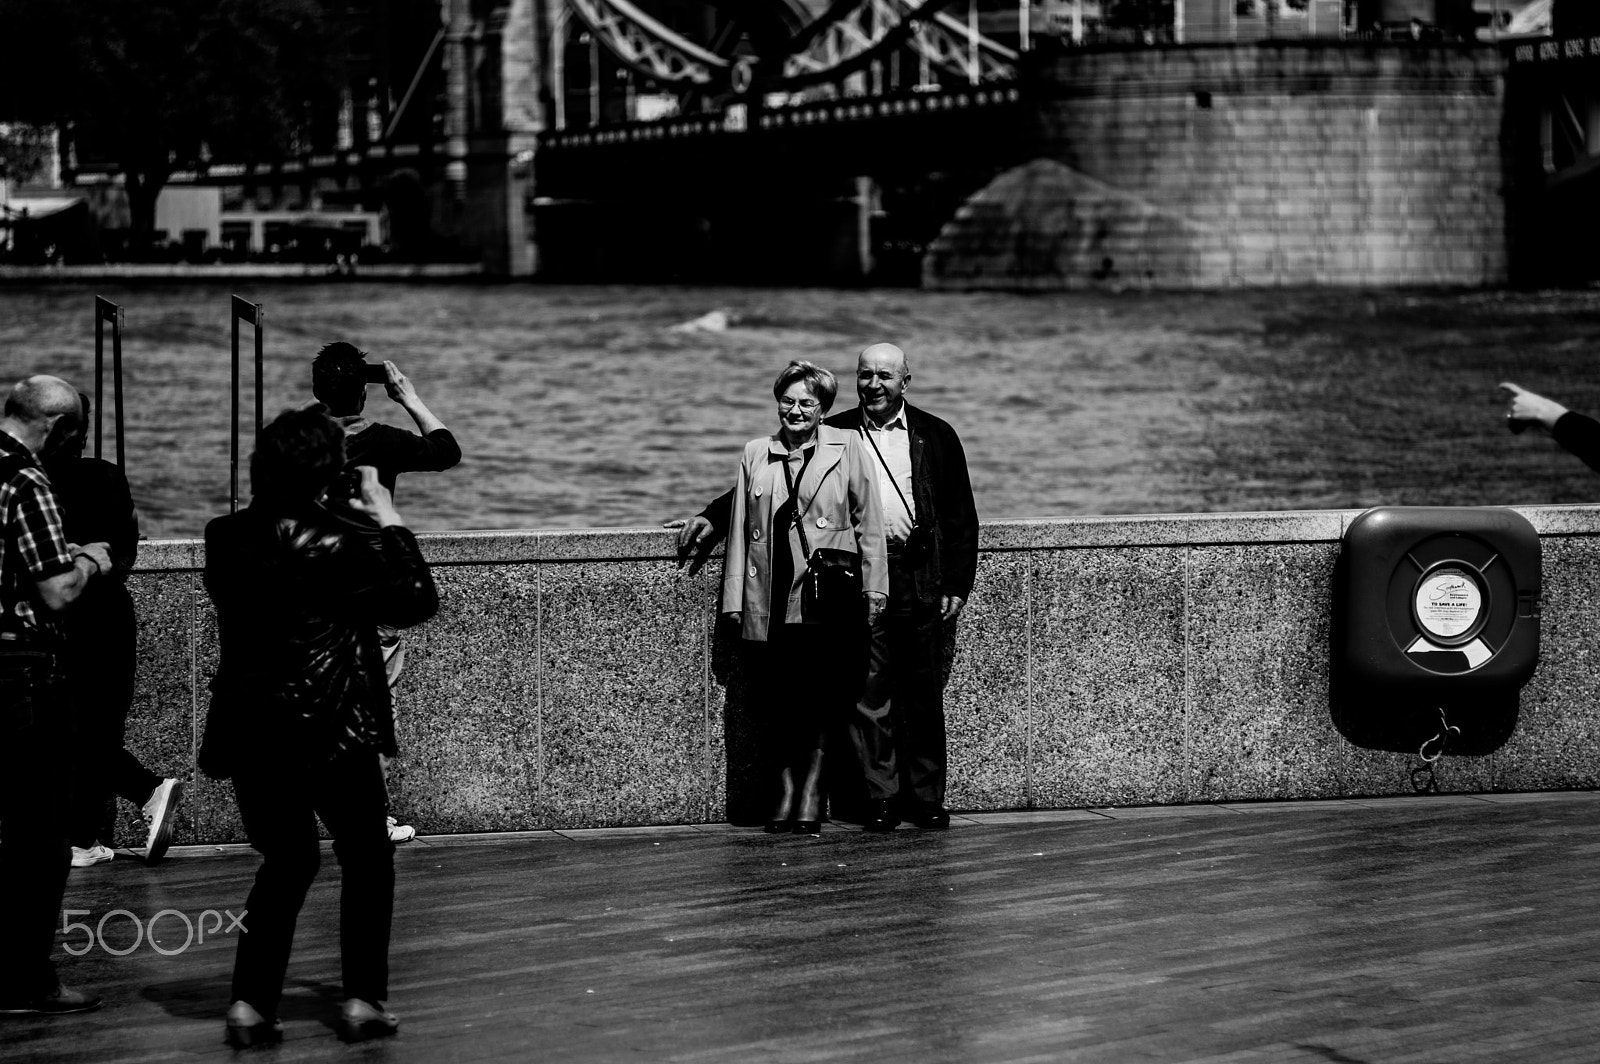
[{"x": 808, "y": 489}]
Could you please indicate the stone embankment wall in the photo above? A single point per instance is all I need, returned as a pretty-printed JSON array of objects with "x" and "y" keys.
[
  {"x": 1258, "y": 164},
  {"x": 577, "y": 679}
]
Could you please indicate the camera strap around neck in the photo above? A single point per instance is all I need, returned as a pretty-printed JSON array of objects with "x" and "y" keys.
[
  {"x": 792, "y": 482},
  {"x": 867, "y": 432}
]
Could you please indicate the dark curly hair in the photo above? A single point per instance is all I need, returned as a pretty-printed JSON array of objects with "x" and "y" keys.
[
  {"x": 297, "y": 456},
  {"x": 337, "y": 377}
]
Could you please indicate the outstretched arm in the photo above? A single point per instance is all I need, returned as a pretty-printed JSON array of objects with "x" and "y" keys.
[
  {"x": 1531, "y": 406},
  {"x": 1577, "y": 432}
]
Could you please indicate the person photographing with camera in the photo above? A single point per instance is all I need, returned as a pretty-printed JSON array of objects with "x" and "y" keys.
[
  {"x": 301, "y": 716},
  {"x": 340, "y": 375}
]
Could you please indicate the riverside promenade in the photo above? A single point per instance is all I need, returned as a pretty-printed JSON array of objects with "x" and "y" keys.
[{"x": 1456, "y": 928}]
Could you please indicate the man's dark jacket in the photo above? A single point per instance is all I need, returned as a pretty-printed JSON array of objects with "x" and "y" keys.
[
  {"x": 1580, "y": 434},
  {"x": 298, "y": 595},
  {"x": 392, "y": 451},
  {"x": 941, "y": 492}
]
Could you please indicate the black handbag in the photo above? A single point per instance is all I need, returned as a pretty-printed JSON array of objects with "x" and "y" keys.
[{"x": 830, "y": 588}]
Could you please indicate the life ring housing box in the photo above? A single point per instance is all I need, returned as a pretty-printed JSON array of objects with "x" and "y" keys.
[{"x": 1435, "y": 608}]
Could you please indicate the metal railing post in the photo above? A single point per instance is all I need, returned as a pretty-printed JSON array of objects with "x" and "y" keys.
[
  {"x": 104, "y": 311},
  {"x": 251, "y": 312}
]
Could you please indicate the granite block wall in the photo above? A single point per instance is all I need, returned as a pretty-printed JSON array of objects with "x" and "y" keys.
[
  {"x": 1268, "y": 164},
  {"x": 580, "y": 679}
]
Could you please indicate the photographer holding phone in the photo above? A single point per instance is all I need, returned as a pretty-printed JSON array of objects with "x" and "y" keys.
[{"x": 340, "y": 375}]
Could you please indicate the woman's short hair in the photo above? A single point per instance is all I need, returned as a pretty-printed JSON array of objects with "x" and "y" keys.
[
  {"x": 297, "y": 455},
  {"x": 818, "y": 381}
]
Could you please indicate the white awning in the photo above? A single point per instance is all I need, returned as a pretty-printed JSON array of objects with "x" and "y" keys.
[{"x": 32, "y": 208}]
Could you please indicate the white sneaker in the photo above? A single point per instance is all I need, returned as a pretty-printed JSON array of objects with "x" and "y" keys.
[
  {"x": 158, "y": 811},
  {"x": 399, "y": 833},
  {"x": 82, "y": 858}
]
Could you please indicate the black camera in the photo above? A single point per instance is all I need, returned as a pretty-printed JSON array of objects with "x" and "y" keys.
[
  {"x": 918, "y": 544},
  {"x": 345, "y": 487},
  {"x": 375, "y": 373}
]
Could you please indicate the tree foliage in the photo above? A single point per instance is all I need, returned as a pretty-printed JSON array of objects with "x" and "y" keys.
[
  {"x": 161, "y": 85},
  {"x": 23, "y": 150}
]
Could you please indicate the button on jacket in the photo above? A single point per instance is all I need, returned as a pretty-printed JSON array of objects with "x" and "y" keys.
[{"x": 840, "y": 504}]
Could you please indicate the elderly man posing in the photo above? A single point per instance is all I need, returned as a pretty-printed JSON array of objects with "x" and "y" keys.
[
  {"x": 41, "y": 574},
  {"x": 897, "y": 727}
]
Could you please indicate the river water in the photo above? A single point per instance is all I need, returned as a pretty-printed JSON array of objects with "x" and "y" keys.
[{"x": 590, "y": 407}]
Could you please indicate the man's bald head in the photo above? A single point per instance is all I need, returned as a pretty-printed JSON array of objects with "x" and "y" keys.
[
  {"x": 40, "y": 398},
  {"x": 41, "y": 412},
  {"x": 884, "y": 354}
]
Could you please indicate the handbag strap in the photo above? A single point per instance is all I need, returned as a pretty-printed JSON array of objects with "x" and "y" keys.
[
  {"x": 789, "y": 481},
  {"x": 892, "y": 482}
]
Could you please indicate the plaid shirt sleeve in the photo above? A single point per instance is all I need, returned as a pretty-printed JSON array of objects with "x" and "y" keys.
[{"x": 41, "y": 539}]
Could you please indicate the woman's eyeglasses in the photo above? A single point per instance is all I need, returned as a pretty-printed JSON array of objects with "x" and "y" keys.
[{"x": 807, "y": 405}]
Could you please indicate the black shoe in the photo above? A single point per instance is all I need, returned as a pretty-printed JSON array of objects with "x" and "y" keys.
[
  {"x": 931, "y": 818},
  {"x": 808, "y": 827},
  {"x": 879, "y": 816},
  {"x": 59, "y": 1002},
  {"x": 779, "y": 827}
]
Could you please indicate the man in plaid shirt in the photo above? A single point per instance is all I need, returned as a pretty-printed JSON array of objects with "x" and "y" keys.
[{"x": 41, "y": 574}]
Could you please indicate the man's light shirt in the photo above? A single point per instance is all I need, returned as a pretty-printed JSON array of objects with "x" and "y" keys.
[{"x": 894, "y": 444}]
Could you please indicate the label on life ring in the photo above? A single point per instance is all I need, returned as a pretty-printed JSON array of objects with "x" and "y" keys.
[{"x": 1448, "y": 602}]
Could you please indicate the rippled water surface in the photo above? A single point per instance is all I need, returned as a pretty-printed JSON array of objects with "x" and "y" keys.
[{"x": 586, "y": 407}]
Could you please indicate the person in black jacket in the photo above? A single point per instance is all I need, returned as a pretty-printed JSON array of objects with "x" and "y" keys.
[
  {"x": 897, "y": 726},
  {"x": 301, "y": 714},
  {"x": 339, "y": 378},
  {"x": 100, "y": 656},
  {"x": 1578, "y": 433}
]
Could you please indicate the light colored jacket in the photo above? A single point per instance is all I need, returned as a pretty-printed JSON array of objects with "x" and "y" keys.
[{"x": 842, "y": 511}]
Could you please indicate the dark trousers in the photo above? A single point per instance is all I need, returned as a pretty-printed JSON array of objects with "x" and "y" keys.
[
  {"x": 34, "y": 791},
  {"x": 279, "y": 809},
  {"x": 100, "y": 661},
  {"x": 795, "y": 669},
  {"x": 897, "y": 725}
]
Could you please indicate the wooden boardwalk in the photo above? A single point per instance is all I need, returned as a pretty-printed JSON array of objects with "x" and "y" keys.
[{"x": 1444, "y": 930}]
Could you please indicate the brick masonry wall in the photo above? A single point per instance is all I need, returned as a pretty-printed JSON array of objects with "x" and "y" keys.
[{"x": 1271, "y": 164}]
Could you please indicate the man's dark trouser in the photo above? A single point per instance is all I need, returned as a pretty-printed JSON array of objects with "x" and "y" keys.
[
  {"x": 279, "y": 809},
  {"x": 897, "y": 727},
  {"x": 34, "y": 791},
  {"x": 100, "y": 667}
]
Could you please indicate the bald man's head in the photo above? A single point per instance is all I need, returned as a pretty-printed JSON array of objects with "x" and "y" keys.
[
  {"x": 41, "y": 407},
  {"x": 878, "y": 353},
  {"x": 42, "y": 397},
  {"x": 882, "y": 374}
]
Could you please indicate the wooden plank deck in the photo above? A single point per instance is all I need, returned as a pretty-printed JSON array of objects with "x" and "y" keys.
[{"x": 1445, "y": 930}]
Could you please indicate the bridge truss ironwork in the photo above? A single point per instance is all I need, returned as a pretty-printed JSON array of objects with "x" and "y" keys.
[{"x": 849, "y": 37}]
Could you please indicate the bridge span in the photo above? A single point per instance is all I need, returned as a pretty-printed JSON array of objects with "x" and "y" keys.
[{"x": 955, "y": 143}]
